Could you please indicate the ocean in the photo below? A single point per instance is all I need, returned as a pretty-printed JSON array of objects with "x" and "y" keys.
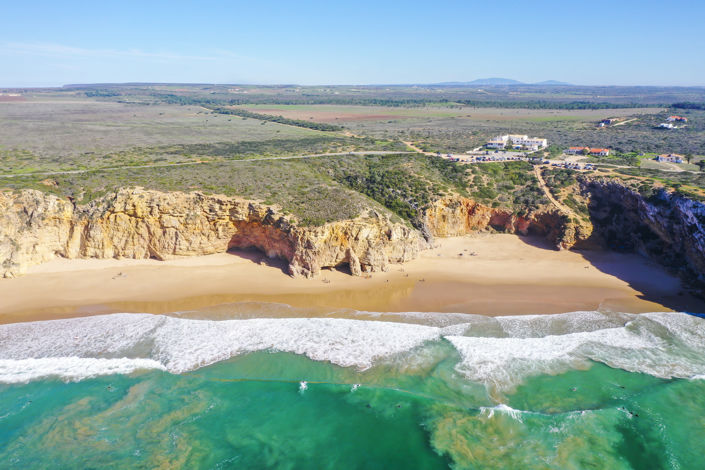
[{"x": 196, "y": 390}]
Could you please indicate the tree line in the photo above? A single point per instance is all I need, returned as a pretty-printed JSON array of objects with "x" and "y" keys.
[{"x": 319, "y": 126}]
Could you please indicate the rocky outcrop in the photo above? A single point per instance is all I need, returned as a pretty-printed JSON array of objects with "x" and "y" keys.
[
  {"x": 453, "y": 216},
  {"x": 135, "y": 223},
  {"x": 664, "y": 226}
]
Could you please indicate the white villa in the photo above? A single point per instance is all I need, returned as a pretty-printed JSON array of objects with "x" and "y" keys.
[
  {"x": 518, "y": 142},
  {"x": 670, "y": 158}
]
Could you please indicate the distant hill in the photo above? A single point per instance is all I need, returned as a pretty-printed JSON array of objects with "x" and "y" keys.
[
  {"x": 484, "y": 81},
  {"x": 499, "y": 81}
]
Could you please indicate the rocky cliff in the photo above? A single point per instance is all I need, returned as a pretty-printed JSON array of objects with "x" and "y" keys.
[
  {"x": 664, "y": 225},
  {"x": 134, "y": 223},
  {"x": 455, "y": 216}
]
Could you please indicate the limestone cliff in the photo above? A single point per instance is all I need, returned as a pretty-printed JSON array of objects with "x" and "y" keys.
[
  {"x": 135, "y": 223},
  {"x": 453, "y": 216}
]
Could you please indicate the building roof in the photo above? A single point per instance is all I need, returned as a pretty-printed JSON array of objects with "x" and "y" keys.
[{"x": 599, "y": 150}]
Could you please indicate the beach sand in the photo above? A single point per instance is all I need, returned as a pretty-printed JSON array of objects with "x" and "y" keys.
[{"x": 489, "y": 274}]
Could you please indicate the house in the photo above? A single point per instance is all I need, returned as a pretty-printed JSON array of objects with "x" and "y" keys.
[
  {"x": 577, "y": 150},
  {"x": 677, "y": 119},
  {"x": 592, "y": 151},
  {"x": 667, "y": 125},
  {"x": 610, "y": 121},
  {"x": 599, "y": 152},
  {"x": 670, "y": 158}
]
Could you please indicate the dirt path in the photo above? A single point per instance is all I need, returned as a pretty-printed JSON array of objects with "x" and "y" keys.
[
  {"x": 416, "y": 149},
  {"x": 625, "y": 122},
  {"x": 200, "y": 162},
  {"x": 547, "y": 192}
]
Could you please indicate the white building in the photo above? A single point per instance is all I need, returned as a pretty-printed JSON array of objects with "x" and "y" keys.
[
  {"x": 670, "y": 158},
  {"x": 599, "y": 152},
  {"x": 518, "y": 142},
  {"x": 667, "y": 125},
  {"x": 577, "y": 150},
  {"x": 498, "y": 142}
]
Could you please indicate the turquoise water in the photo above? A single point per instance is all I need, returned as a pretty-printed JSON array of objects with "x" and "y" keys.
[{"x": 573, "y": 391}]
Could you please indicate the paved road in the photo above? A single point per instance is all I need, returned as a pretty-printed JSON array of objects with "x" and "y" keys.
[{"x": 201, "y": 162}]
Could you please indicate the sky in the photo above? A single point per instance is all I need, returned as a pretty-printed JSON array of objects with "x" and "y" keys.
[{"x": 617, "y": 42}]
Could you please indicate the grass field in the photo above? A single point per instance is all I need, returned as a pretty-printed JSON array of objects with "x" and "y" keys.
[
  {"x": 345, "y": 114},
  {"x": 457, "y": 129},
  {"x": 62, "y": 127},
  {"x": 58, "y": 133}
]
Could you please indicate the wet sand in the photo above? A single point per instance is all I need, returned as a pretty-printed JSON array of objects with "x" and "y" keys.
[{"x": 489, "y": 274}]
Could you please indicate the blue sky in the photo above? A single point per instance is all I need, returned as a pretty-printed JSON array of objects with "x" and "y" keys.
[{"x": 594, "y": 43}]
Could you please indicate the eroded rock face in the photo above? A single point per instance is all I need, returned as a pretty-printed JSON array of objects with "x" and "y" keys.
[
  {"x": 665, "y": 227},
  {"x": 454, "y": 216},
  {"x": 135, "y": 223}
]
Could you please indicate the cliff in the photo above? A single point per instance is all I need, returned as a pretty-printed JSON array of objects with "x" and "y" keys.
[
  {"x": 453, "y": 216},
  {"x": 663, "y": 226},
  {"x": 134, "y": 223}
]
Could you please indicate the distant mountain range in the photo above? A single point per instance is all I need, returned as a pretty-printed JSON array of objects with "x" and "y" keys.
[{"x": 499, "y": 81}]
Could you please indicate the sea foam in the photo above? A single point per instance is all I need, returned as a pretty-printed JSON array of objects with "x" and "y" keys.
[
  {"x": 179, "y": 345},
  {"x": 69, "y": 368},
  {"x": 499, "y": 352},
  {"x": 664, "y": 345}
]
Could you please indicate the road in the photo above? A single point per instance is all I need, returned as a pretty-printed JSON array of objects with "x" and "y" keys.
[{"x": 199, "y": 162}]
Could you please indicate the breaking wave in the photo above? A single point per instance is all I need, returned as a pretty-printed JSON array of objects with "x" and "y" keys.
[{"x": 499, "y": 352}]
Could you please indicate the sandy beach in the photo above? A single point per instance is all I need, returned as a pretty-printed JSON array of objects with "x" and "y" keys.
[{"x": 490, "y": 274}]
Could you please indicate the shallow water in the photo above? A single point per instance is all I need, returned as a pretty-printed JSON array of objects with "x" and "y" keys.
[{"x": 577, "y": 390}]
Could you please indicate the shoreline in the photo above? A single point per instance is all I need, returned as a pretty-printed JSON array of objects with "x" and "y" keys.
[{"x": 508, "y": 275}]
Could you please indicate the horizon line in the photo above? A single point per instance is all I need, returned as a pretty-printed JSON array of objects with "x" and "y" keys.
[{"x": 448, "y": 84}]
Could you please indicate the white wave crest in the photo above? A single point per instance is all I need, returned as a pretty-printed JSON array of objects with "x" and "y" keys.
[
  {"x": 499, "y": 352},
  {"x": 663, "y": 345},
  {"x": 502, "y": 408},
  {"x": 69, "y": 368},
  {"x": 179, "y": 345}
]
